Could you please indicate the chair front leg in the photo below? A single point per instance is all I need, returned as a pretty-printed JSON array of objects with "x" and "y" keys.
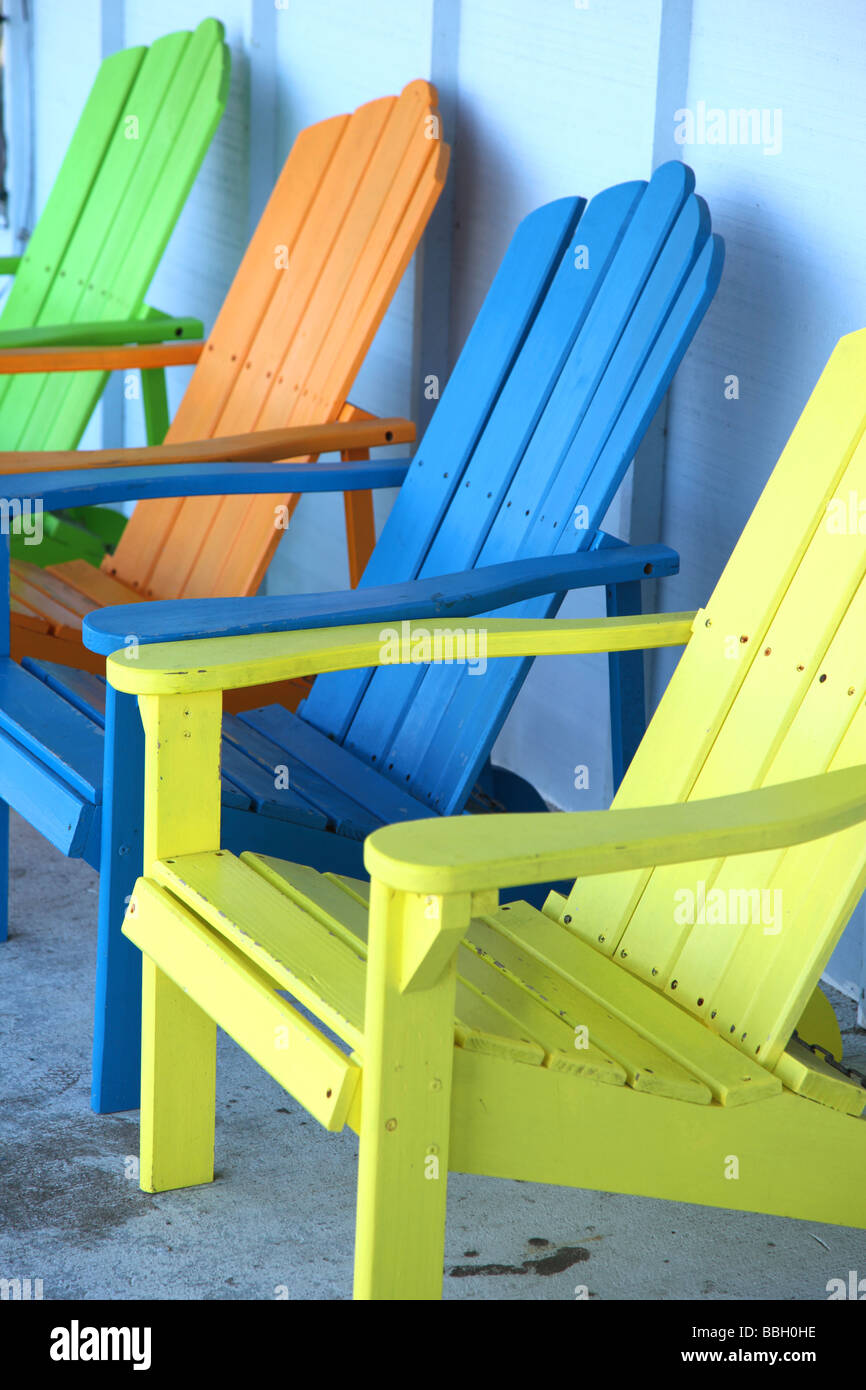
[
  {"x": 5, "y": 648},
  {"x": 406, "y": 1096},
  {"x": 117, "y": 1007}
]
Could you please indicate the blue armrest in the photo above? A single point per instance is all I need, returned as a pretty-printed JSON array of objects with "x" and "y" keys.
[
  {"x": 83, "y": 486},
  {"x": 446, "y": 596}
]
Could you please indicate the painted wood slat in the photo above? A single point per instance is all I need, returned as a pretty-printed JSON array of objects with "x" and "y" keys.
[
  {"x": 562, "y": 1049},
  {"x": 85, "y": 691},
  {"x": 495, "y": 338},
  {"x": 232, "y": 335},
  {"x": 95, "y": 585},
  {"x": 26, "y": 617},
  {"x": 481, "y": 1024},
  {"x": 320, "y": 895},
  {"x": 360, "y": 781},
  {"x": 291, "y": 287},
  {"x": 781, "y": 526},
  {"x": 320, "y": 970},
  {"x": 646, "y": 1067},
  {"x": 786, "y": 724},
  {"x": 177, "y": 98},
  {"x": 365, "y": 210},
  {"x": 808, "y": 1074},
  {"x": 792, "y": 590},
  {"x": 178, "y": 94},
  {"x": 47, "y": 801},
  {"x": 62, "y": 621},
  {"x": 70, "y": 189},
  {"x": 49, "y": 728},
  {"x": 479, "y": 721},
  {"x": 785, "y": 519},
  {"x": 214, "y": 975},
  {"x": 367, "y": 289},
  {"x": 537, "y": 517},
  {"x": 261, "y": 790},
  {"x": 732, "y": 1079},
  {"x": 523, "y": 402},
  {"x": 42, "y": 581},
  {"x": 342, "y": 814}
]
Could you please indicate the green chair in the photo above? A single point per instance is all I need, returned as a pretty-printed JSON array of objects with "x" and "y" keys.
[{"x": 131, "y": 162}]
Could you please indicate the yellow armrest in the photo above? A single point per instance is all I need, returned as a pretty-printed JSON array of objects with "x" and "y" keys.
[
  {"x": 474, "y": 853},
  {"x": 231, "y": 663}
]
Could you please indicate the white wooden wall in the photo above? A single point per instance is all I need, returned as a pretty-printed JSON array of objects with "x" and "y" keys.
[{"x": 544, "y": 98}]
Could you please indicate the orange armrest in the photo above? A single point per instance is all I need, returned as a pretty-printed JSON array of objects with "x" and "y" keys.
[
  {"x": 261, "y": 446},
  {"x": 98, "y": 359}
]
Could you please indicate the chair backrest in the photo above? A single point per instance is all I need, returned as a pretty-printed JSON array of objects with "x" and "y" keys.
[
  {"x": 131, "y": 162},
  {"x": 569, "y": 357},
  {"x": 771, "y": 687},
  {"x": 339, "y": 230}
]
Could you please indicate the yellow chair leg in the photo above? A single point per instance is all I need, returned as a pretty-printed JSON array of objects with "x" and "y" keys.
[
  {"x": 178, "y": 1086},
  {"x": 406, "y": 1098}
]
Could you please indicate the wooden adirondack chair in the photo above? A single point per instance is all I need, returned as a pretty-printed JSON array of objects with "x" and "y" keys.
[
  {"x": 541, "y": 417},
  {"x": 130, "y": 164},
  {"x": 339, "y": 230},
  {"x": 614, "y": 1040}
]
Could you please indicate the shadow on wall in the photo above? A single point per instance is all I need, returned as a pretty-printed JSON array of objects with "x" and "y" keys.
[
  {"x": 738, "y": 395},
  {"x": 489, "y": 210}
]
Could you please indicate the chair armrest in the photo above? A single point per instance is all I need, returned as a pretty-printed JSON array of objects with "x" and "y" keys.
[
  {"x": 478, "y": 853},
  {"x": 445, "y": 596},
  {"x": 19, "y": 361},
  {"x": 233, "y": 663},
  {"x": 81, "y": 489},
  {"x": 259, "y": 446},
  {"x": 107, "y": 333}
]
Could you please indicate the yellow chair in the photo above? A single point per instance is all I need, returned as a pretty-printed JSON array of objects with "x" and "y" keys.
[{"x": 637, "y": 1036}]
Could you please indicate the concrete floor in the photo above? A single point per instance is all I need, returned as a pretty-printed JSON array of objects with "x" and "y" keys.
[{"x": 279, "y": 1220}]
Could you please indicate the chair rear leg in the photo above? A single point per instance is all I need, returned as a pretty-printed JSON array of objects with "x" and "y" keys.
[{"x": 178, "y": 1086}]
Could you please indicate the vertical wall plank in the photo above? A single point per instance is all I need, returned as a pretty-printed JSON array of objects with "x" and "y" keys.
[
  {"x": 431, "y": 347},
  {"x": 646, "y": 481},
  {"x": 261, "y": 44},
  {"x": 19, "y": 116},
  {"x": 112, "y": 23}
]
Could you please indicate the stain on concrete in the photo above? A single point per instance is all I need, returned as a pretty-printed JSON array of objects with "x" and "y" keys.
[
  {"x": 59, "y": 1177},
  {"x": 546, "y": 1265}
]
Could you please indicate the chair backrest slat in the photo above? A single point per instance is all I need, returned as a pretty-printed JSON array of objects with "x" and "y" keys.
[
  {"x": 771, "y": 687},
  {"x": 471, "y": 723},
  {"x": 606, "y": 337},
  {"x": 311, "y": 292},
  {"x": 232, "y": 336},
  {"x": 129, "y": 168},
  {"x": 491, "y": 348}
]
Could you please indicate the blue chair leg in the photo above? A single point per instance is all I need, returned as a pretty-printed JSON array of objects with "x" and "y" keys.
[
  {"x": 4, "y": 871},
  {"x": 117, "y": 1013},
  {"x": 627, "y": 695},
  {"x": 5, "y": 648}
]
